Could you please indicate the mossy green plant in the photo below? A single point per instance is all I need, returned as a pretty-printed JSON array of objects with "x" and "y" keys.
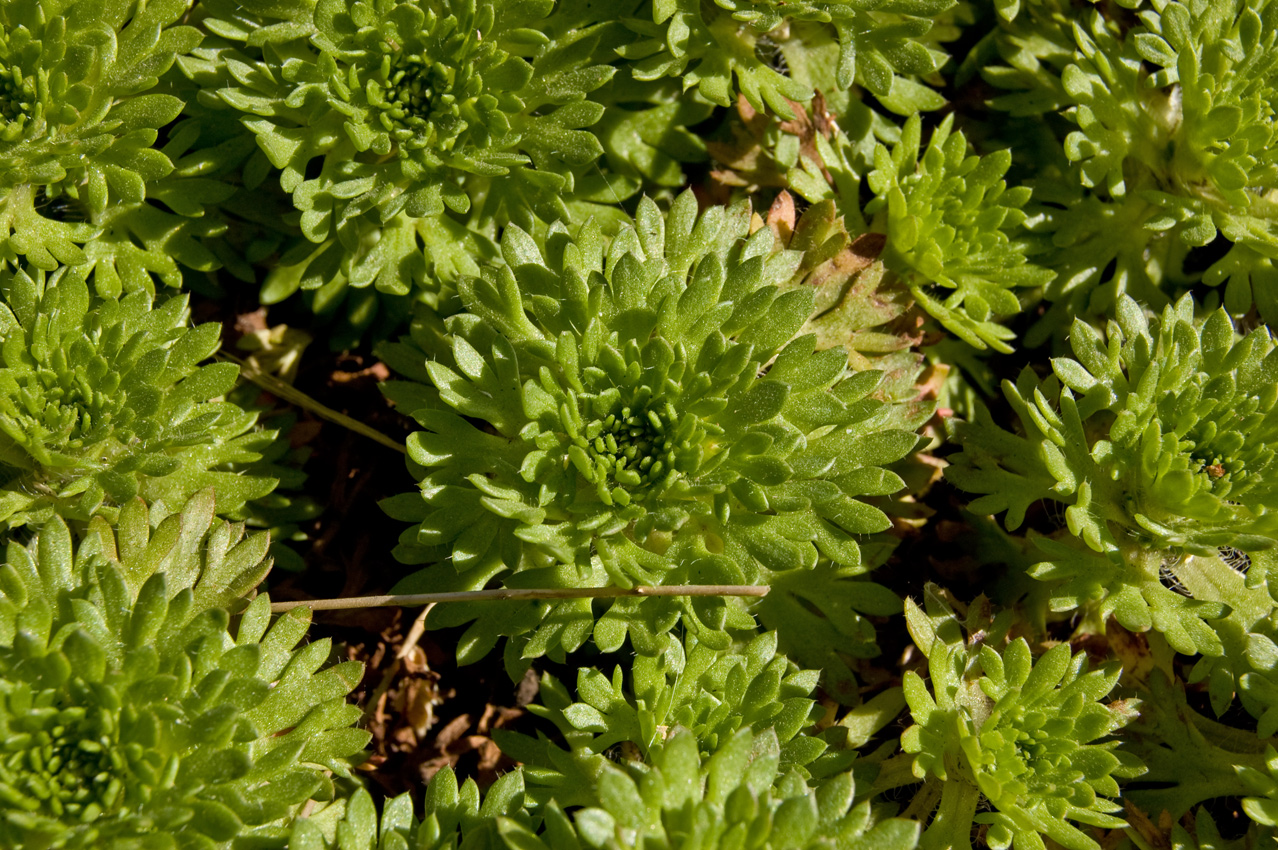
[
  {"x": 131, "y": 715},
  {"x": 105, "y": 398},
  {"x": 655, "y": 414}
]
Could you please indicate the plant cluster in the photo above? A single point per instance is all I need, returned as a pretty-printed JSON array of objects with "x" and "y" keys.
[
  {"x": 131, "y": 713},
  {"x": 690, "y": 321}
]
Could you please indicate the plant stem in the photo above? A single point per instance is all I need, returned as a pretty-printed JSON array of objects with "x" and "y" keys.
[
  {"x": 408, "y": 600},
  {"x": 293, "y": 395},
  {"x": 895, "y": 772},
  {"x": 951, "y": 828}
]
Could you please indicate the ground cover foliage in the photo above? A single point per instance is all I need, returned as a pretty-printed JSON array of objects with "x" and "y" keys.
[{"x": 944, "y": 325}]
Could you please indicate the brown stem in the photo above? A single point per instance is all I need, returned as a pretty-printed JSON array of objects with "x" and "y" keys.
[
  {"x": 292, "y": 395},
  {"x": 408, "y": 600}
]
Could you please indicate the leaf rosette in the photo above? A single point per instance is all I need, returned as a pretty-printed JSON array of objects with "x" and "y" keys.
[
  {"x": 711, "y": 694},
  {"x": 955, "y": 231},
  {"x": 131, "y": 716},
  {"x": 1026, "y": 735},
  {"x": 77, "y": 120},
  {"x": 651, "y": 416},
  {"x": 952, "y": 222},
  {"x": 103, "y": 399},
  {"x": 737, "y": 797},
  {"x": 1174, "y": 147},
  {"x": 1159, "y": 438},
  {"x": 399, "y": 124}
]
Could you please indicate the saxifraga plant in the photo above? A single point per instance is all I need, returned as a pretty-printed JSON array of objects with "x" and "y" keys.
[
  {"x": 955, "y": 231},
  {"x": 131, "y": 717},
  {"x": 952, "y": 222},
  {"x": 734, "y": 799},
  {"x": 455, "y": 815},
  {"x": 1192, "y": 759},
  {"x": 615, "y": 392},
  {"x": 722, "y": 48},
  {"x": 1197, "y": 171},
  {"x": 427, "y": 121},
  {"x": 78, "y": 119},
  {"x": 712, "y": 694},
  {"x": 654, "y": 415},
  {"x": 1173, "y": 147},
  {"x": 1160, "y": 438},
  {"x": 104, "y": 398},
  {"x": 1025, "y": 735}
]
